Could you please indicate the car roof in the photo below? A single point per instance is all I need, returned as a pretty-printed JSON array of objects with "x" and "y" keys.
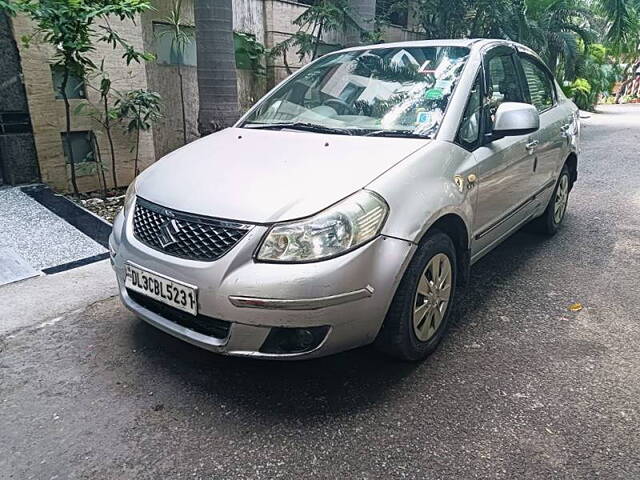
[{"x": 471, "y": 43}]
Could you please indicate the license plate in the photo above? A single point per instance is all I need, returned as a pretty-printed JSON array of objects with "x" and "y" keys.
[{"x": 166, "y": 290}]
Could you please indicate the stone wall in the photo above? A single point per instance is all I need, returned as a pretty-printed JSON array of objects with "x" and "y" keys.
[
  {"x": 248, "y": 17},
  {"x": 48, "y": 116},
  {"x": 393, "y": 33},
  {"x": 164, "y": 79},
  {"x": 279, "y": 26}
]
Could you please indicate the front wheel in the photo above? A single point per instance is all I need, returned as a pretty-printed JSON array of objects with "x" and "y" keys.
[
  {"x": 419, "y": 313},
  {"x": 549, "y": 222}
]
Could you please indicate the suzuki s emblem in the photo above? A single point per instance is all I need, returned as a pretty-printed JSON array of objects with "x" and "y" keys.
[{"x": 168, "y": 232}]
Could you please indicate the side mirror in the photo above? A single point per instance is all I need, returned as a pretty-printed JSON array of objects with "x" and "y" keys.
[{"x": 514, "y": 118}]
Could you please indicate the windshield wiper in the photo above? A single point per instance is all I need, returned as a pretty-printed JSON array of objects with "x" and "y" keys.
[
  {"x": 395, "y": 133},
  {"x": 304, "y": 126}
]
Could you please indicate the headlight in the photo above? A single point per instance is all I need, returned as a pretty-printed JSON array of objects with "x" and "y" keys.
[
  {"x": 338, "y": 229},
  {"x": 129, "y": 196}
]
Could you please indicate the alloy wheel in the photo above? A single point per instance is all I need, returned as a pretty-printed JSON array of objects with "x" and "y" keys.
[
  {"x": 432, "y": 297},
  {"x": 562, "y": 197}
]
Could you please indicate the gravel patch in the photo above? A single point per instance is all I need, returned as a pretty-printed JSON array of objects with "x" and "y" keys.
[
  {"x": 42, "y": 238},
  {"x": 106, "y": 208}
]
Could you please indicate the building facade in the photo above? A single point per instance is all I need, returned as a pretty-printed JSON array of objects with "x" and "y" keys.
[{"x": 34, "y": 151}]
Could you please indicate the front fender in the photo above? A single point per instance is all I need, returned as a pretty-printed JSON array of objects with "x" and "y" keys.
[{"x": 423, "y": 188}]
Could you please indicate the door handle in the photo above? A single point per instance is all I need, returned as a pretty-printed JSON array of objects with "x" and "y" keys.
[{"x": 531, "y": 146}]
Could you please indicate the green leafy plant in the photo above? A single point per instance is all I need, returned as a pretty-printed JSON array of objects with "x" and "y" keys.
[
  {"x": 73, "y": 27},
  {"x": 180, "y": 39},
  {"x": 580, "y": 91},
  {"x": 140, "y": 109},
  {"x": 597, "y": 70},
  {"x": 102, "y": 113},
  {"x": 9, "y": 7},
  {"x": 250, "y": 53}
]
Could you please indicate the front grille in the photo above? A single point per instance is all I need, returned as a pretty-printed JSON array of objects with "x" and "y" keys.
[
  {"x": 183, "y": 234},
  {"x": 212, "y": 327}
]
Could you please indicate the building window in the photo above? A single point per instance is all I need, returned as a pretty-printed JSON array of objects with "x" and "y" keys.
[
  {"x": 167, "y": 50},
  {"x": 397, "y": 13},
  {"x": 75, "y": 85},
  {"x": 82, "y": 146}
]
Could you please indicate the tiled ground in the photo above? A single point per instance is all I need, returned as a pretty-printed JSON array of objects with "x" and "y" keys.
[{"x": 39, "y": 236}]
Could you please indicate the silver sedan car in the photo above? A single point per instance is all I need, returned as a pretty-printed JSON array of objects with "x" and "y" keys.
[{"x": 346, "y": 206}]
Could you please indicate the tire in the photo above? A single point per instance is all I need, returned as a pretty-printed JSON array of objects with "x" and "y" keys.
[
  {"x": 398, "y": 336},
  {"x": 549, "y": 222}
]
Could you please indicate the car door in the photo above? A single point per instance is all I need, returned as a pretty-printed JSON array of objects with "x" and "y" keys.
[
  {"x": 549, "y": 141},
  {"x": 505, "y": 184}
]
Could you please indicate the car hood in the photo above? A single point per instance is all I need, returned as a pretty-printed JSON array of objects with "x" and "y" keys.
[{"x": 263, "y": 176}]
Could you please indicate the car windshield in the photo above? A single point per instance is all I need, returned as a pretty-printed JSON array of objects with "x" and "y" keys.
[{"x": 379, "y": 91}]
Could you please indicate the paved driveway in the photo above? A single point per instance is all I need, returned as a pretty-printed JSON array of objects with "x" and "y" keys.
[{"x": 521, "y": 388}]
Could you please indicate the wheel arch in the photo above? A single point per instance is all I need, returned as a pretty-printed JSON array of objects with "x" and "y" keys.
[
  {"x": 455, "y": 227},
  {"x": 572, "y": 164}
]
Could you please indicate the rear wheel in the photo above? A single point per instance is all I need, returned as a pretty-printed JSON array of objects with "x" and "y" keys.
[
  {"x": 549, "y": 222},
  {"x": 419, "y": 313}
]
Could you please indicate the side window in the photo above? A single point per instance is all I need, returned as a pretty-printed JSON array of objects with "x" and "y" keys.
[
  {"x": 503, "y": 81},
  {"x": 469, "y": 130},
  {"x": 539, "y": 85},
  {"x": 504, "y": 84}
]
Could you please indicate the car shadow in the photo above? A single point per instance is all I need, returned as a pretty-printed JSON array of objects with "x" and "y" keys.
[{"x": 339, "y": 384}]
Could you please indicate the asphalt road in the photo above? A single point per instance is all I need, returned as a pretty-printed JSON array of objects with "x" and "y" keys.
[{"x": 521, "y": 388}]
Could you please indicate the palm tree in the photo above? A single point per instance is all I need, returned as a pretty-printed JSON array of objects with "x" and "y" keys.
[
  {"x": 443, "y": 18},
  {"x": 217, "y": 84},
  {"x": 623, "y": 37},
  {"x": 622, "y": 20},
  {"x": 555, "y": 29}
]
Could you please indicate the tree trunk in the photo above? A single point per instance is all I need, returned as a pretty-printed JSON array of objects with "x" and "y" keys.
[
  {"x": 286, "y": 63},
  {"x": 184, "y": 114},
  {"x": 318, "y": 40},
  {"x": 67, "y": 113},
  {"x": 99, "y": 166},
  {"x": 107, "y": 128},
  {"x": 136, "y": 171},
  {"x": 217, "y": 84}
]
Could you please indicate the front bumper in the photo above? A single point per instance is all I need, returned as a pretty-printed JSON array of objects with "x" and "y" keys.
[{"x": 349, "y": 294}]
